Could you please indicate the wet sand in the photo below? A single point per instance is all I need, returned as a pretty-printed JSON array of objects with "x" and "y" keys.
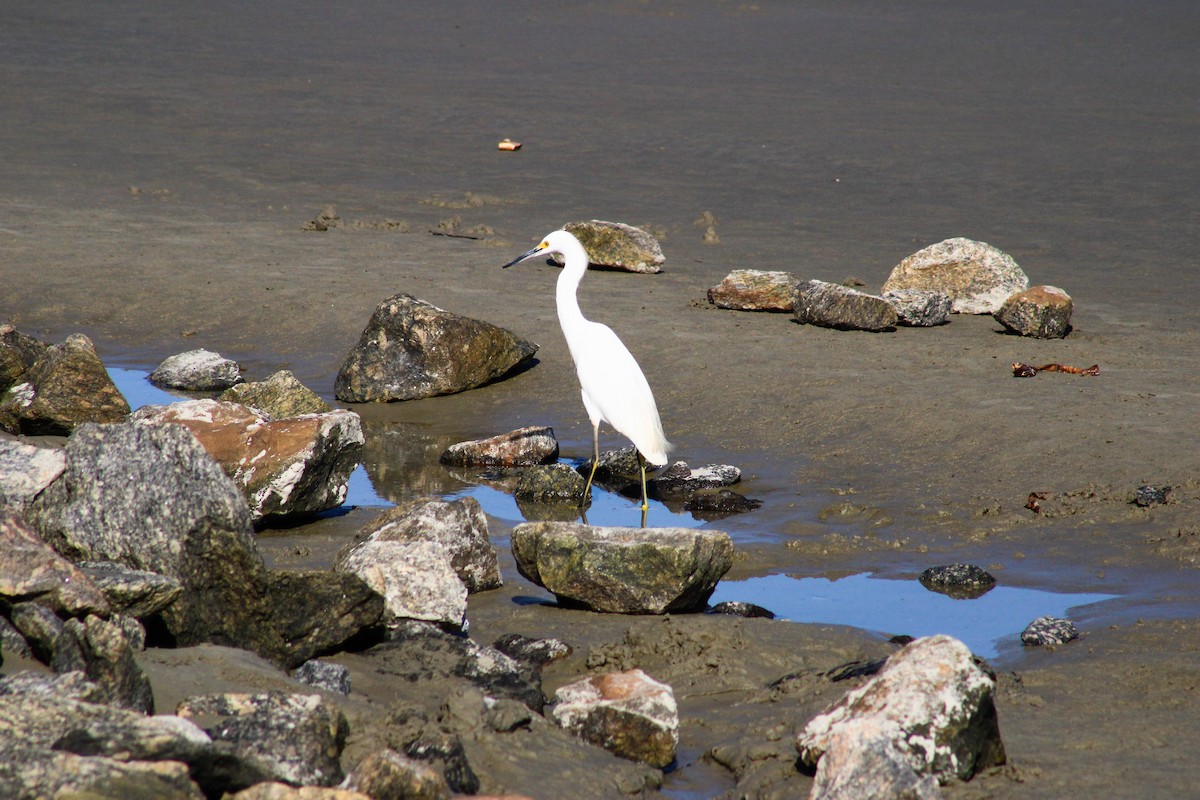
[{"x": 160, "y": 164}]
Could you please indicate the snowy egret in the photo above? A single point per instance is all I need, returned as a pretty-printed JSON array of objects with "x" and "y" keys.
[{"x": 613, "y": 386}]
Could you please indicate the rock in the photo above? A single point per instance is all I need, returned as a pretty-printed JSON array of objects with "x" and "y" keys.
[
  {"x": 853, "y": 768},
  {"x": 411, "y": 349},
  {"x": 66, "y": 387},
  {"x": 977, "y": 277},
  {"x": 284, "y": 467},
  {"x": 550, "y": 483},
  {"x": 931, "y": 701},
  {"x": 39, "y": 627},
  {"x": 627, "y": 713},
  {"x": 832, "y": 306},
  {"x": 1048, "y": 631},
  {"x": 60, "y": 742},
  {"x": 18, "y": 352},
  {"x": 680, "y": 479},
  {"x": 1144, "y": 496},
  {"x": 388, "y": 774},
  {"x": 324, "y": 675},
  {"x": 538, "y": 652},
  {"x": 318, "y": 611},
  {"x": 135, "y": 593},
  {"x": 26, "y": 470},
  {"x": 459, "y": 526},
  {"x": 618, "y": 246},
  {"x": 297, "y": 738},
  {"x": 623, "y": 570},
  {"x": 920, "y": 308},
  {"x": 1043, "y": 312},
  {"x": 961, "y": 581},
  {"x": 274, "y": 790},
  {"x": 706, "y": 503},
  {"x": 278, "y": 397},
  {"x": 149, "y": 497},
  {"x": 103, "y": 651},
  {"x": 740, "y": 608},
  {"x": 197, "y": 371},
  {"x": 416, "y": 580},
  {"x": 520, "y": 448},
  {"x": 754, "y": 290},
  {"x": 417, "y": 650},
  {"x": 30, "y": 570}
]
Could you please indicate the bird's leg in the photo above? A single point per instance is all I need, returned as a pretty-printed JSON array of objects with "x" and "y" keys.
[
  {"x": 587, "y": 490},
  {"x": 642, "y": 467}
]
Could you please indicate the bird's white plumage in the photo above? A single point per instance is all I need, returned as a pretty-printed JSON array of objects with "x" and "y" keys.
[{"x": 613, "y": 386}]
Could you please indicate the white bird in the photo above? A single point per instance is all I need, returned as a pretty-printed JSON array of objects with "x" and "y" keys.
[{"x": 613, "y": 386}]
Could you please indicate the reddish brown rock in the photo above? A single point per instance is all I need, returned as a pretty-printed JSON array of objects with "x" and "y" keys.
[{"x": 1042, "y": 312}]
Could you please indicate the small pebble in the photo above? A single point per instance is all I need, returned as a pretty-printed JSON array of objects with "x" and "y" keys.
[{"x": 1151, "y": 496}]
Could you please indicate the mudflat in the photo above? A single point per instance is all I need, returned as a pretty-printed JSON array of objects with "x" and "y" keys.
[{"x": 161, "y": 163}]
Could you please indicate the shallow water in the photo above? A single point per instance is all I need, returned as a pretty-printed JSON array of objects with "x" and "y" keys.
[{"x": 866, "y": 601}]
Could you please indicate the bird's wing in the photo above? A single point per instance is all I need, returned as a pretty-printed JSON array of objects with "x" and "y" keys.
[{"x": 612, "y": 380}]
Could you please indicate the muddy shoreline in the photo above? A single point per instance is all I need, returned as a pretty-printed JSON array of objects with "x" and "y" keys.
[{"x": 156, "y": 184}]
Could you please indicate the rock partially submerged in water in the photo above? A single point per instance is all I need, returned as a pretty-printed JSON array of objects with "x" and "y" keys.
[
  {"x": 411, "y": 349},
  {"x": 754, "y": 290},
  {"x": 930, "y": 709},
  {"x": 1042, "y": 312},
  {"x": 679, "y": 479},
  {"x": 831, "y": 305},
  {"x": 526, "y": 446},
  {"x": 627, "y": 713},
  {"x": 284, "y": 467},
  {"x": 623, "y": 570},
  {"x": 618, "y": 246},
  {"x": 197, "y": 371},
  {"x": 550, "y": 483},
  {"x": 280, "y": 396},
  {"x": 458, "y": 526},
  {"x": 977, "y": 277},
  {"x": 962, "y": 581},
  {"x": 65, "y": 387}
]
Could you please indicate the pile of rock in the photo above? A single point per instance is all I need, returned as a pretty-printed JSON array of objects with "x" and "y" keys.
[{"x": 959, "y": 276}]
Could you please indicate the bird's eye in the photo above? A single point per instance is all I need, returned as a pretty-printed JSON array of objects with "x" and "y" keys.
[{"x": 543, "y": 245}]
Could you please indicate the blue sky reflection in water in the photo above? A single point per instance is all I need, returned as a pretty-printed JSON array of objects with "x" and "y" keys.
[
  {"x": 904, "y": 606},
  {"x": 861, "y": 601}
]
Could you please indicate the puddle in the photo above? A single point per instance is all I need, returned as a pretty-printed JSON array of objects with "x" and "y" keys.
[
  {"x": 135, "y": 386},
  {"x": 905, "y": 606}
]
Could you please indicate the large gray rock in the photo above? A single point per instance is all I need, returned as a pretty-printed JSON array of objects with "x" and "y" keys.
[
  {"x": 523, "y": 447},
  {"x": 150, "y": 497},
  {"x": 618, "y": 246},
  {"x": 931, "y": 701},
  {"x": 62, "y": 740},
  {"x": 623, "y": 570},
  {"x": 26, "y": 470},
  {"x": 627, "y": 713},
  {"x": 197, "y": 371},
  {"x": 66, "y": 387},
  {"x": 411, "y": 349},
  {"x": 459, "y": 526},
  {"x": 977, "y": 277},
  {"x": 284, "y": 467},
  {"x": 754, "y": 290},
  {"x": 832, "y": 305},
  {"x": 317, "y": 611},
  {"x": 296, "y": 738},
  {"x": 279, "y": 396},
  {"x": 135, "y": 593},
  {"x": 1043, "y": 312}
]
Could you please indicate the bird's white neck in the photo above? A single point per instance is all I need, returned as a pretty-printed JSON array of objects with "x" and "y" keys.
[{"x": 575, "y": 265}]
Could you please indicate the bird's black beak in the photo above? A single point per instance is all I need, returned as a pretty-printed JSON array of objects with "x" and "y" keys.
[{"x": 524, "y": 256}]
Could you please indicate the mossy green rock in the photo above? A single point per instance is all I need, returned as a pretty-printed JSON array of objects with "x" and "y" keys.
[{"x": 623, "y": 570}]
